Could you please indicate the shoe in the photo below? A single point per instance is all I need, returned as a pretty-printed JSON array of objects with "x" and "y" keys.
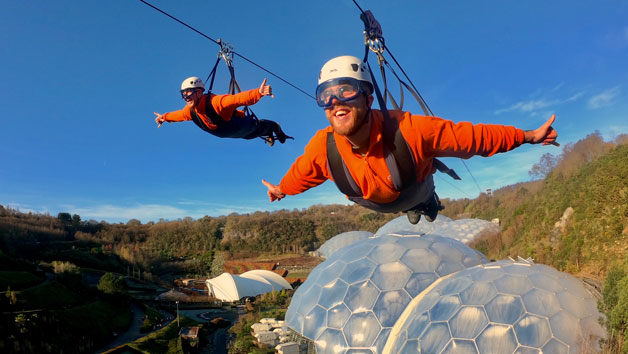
[
  {"x": 281, "y": 136},
  {"x": 414, "y": 216},
  {"x": 431, "y": 209}
]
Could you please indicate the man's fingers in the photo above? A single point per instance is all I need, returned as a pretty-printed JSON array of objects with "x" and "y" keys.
[
  {"x": 551, "y": 120},
  {"x": 264, "y": 82}
]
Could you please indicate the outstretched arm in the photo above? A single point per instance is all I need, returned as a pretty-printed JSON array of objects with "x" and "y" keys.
[
  {"x": 544, "y": 134},
  {"x": 274, "y": 191}
]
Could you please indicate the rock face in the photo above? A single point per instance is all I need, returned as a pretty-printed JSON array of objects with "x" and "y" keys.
[{"x": 561, "y": 224}]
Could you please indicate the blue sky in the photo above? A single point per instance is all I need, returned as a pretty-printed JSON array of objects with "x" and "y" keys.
[{"x": 80, "y": 81}]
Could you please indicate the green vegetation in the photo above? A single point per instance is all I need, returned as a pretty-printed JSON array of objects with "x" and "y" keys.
[
  {"x": 111, "y": 284},
  {"x": 166, "y": 340},
  {"x": 616, "y": 305}
]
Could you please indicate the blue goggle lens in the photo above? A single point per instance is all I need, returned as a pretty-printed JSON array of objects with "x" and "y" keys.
[{"x": 343, "y": 90}]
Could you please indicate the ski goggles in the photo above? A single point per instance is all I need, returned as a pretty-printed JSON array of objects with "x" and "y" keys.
[
  {"x": 343, "y": 89},
  {"x": 185, "y": 94}
]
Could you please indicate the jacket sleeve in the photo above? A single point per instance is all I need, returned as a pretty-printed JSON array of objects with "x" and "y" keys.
[
  {"x": 224, "y": 105},
  {"x": 310, "y": 169},
  {"x": 444, "y": 138},
  {"x": 178, "y": 116}
]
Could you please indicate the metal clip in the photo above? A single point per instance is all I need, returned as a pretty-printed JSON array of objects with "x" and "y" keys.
[
  {"x": 373, "y": 35},
  {"x": 226, "y": 52}
]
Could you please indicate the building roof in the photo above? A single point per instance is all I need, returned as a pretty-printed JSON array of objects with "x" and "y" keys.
[{"x": 229, "y": 287}]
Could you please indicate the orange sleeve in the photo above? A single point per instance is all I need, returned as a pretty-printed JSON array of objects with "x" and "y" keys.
[
  {"x": 438, "y": 137},
  {"x": 310, "y": 169},
  {"x": 178, "y": 116},
  {"x": 224, "y": 105}
]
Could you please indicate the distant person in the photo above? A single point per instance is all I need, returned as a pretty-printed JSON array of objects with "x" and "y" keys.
[
  {"x": 359, "y": 136},
  {"x": 217, "y": 114}
]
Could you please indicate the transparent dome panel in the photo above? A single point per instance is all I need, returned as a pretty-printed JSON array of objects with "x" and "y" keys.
[
  {"x": 533, "y": 331},
  {"x": 468, "y": 322},
  {"x": 361, "y": 329}
]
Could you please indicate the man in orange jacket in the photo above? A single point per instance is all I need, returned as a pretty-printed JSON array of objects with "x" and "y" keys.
[
  {"x": 217, "y": 114},
  {"x": 345, "y": 92}
]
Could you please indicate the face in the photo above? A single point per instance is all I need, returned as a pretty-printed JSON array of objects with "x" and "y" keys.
[
  {"x": 192, "y": 97},
  {"x": 348, "y": 117}
]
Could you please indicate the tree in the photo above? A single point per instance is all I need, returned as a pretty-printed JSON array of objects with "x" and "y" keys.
[
  {"x": 545, "y": 165},
  {"x": 110, "y": 284}
]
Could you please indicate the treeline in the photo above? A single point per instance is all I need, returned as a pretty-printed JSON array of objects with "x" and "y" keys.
[
  {"x": 591, "y": 177},
  {"x": 186, "y": 245}
]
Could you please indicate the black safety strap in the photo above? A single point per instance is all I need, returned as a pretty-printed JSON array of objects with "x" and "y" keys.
[{"x": 212, "y": 75}]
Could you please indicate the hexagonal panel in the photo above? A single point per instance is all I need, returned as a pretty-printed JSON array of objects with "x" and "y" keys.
[
  {"x": 533, "y": 331},
  {"x": 333, "y": 293},
  {"x": 391, "y": 276},
  {"x": 497, "y": 339},
  {"x": 314, "y": 322},
  {"x": 418, "y": 282},
  {"x": 513, "y": 284},
  {"x": 362, "y": 296},
  {"x": 435, "y": 338},
  {"x": 331, "y": 341},
  {"x": 390, "y": 305},
  {"x": 504, "y": 309},
  {"x": 554, "y": 346},
  {"x": 468, "y": 322},
  {"x": 541, "y": 302},
  {"x": 358, "y": 270},
  {"x": 337, "y": 316},
  {"x": 421, "y": 260},
  {"x": 386, "y": 253},
  {"x": 478, "y": 293},
  {"x": 445, "y": 308},
  {"x": 361, "y": 329},
  {"x": 566, "y": 327}
]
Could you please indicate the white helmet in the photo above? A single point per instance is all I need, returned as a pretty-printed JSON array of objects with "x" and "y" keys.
[
  {"x": 345, "y": 66},
  {"x": 192, "y": 83}
]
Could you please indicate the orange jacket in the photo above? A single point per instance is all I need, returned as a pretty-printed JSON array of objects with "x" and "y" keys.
[
  {"x": 224, "y": 105},
  {"x": 427, "y": 137}
]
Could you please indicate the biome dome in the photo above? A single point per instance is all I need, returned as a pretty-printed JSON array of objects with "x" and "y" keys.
[
  {"x": 500, "y": 307},
  {"x": 463, "y": 230},
  {"x": 341, "y": 240},
  {"x": 352, "y": 300}
]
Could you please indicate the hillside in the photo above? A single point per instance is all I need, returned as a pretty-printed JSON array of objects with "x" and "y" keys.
[{"x": 590, "y": 240}]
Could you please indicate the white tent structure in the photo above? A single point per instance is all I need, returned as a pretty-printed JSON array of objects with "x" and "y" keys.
[{"x": 229, "y": 287}]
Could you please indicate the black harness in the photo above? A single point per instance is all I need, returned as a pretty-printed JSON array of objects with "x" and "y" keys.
[{"x": 402, "y": 168}]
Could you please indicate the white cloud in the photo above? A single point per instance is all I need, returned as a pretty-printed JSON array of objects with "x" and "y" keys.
[
  {"x": 605, "y": 98},
  {"x": 534, "y": 105},
  {"x": 527, "y": 106},
  {"x": 143, "y": 212}
]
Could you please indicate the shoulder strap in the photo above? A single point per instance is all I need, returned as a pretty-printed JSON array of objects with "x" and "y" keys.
[
  {"x": 338, "y": 169},
  {"x": 396, "y": 144}
]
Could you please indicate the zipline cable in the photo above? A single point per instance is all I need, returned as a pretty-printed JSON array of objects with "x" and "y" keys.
[
  {"x": 422, "y": 101},
  {"x": 234, "y": 52}
]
